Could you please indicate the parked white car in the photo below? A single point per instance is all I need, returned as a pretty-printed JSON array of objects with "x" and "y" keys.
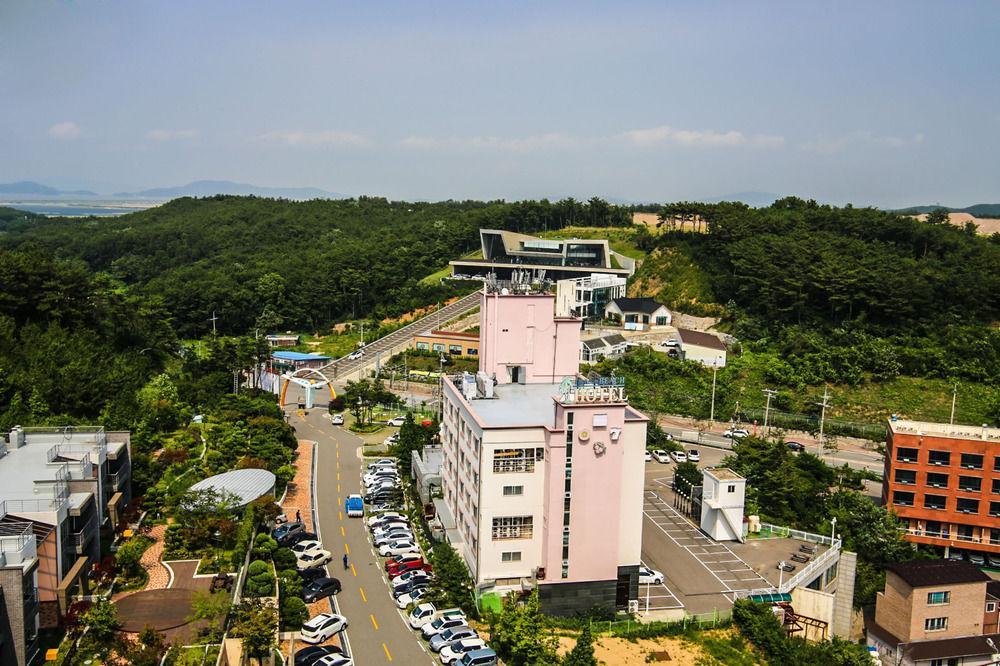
[
  {"x": 421, "y": 615},
  {"x": 383, "y": 462},
  {"x": 693, "y": 455},
  {"x": 648, "y": 456},
  {"x": 414, "y": 597},
  {"x": 661, "y": 456},
  {"x": 313, "y": 559},
  {"x": 398, "y": 548},
  {"x": 337, "y": 419},
  {"x": 432, "y": 629},
  {"x": 397, "y": 421},
  {"x": 392, "y": 537},
  {"x": 407, "y": 576},
  {"x": 649, "y": 576},
  {"x": 334, "y": 660},
  {"x": 453, "y": 651},
  {"x": 679, "y": 456},
  {"x": 306, "y": 546},
  {"x": 385, "y": 518},
  {"x": 322, "y": 627}
]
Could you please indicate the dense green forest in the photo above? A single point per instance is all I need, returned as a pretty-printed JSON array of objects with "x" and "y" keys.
[
  {"x": 888, "y": 312},
  {"x": 267, "y": 263}
]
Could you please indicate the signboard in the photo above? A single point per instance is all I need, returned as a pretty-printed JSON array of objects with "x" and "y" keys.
[{"x": 594, "y": 388}]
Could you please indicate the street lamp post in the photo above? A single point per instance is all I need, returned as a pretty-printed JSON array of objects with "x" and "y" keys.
[
  {"x": 715, "y": 371},
  {"x": 833, "y": 529},
  {"x": 781, "y": 575}
]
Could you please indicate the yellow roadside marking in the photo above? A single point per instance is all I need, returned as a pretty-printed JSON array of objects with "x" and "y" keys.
[
  {"x": 388, "y": 655},
  {"x": 353, "y": 570},
  {"x": 374, "y": 623},
  {"x": 363, "y": 597}
]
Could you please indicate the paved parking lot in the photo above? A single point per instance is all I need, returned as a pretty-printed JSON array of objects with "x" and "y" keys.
[{"x": 700, "y": 575}]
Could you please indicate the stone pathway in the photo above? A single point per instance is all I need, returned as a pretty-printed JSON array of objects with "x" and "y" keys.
[{"x": 159, "y": 576}]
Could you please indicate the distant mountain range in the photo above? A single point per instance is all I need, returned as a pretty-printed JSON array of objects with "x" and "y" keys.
[
  {"x": 978, "y": 210},
  {"x": 27, "y": 187},
  {"x": 199, "y": 188}
]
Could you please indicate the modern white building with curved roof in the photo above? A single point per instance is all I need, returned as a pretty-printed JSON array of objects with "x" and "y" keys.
[{"x": 245, "y": 484}]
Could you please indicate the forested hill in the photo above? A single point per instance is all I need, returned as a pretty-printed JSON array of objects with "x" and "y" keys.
[
  {"x": 841, "y": 292},
  {"x": 270, "y": 262}
]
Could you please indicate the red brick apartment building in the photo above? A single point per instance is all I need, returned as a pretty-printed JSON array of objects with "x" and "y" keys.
[{"x": 944, "y": 482}]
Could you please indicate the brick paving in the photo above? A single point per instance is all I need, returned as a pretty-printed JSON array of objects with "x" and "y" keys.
[
  {"x": 299, "y": 495},
  {"x": 159, "y": 576}
]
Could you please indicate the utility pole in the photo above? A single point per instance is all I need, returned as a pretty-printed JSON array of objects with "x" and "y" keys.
[
  {"x": 213, "y": 319},
  {"x": 770, "y": 393},
  {"x": 822, "y": 418},
  {"x": 711, "y": 417},
  {"x": 362, "y": 333},
  {"x": 954, "y": 397}
]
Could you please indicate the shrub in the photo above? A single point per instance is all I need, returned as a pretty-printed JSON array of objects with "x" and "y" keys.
[
  {"x": 264, "y": 547},
  {"x": 260, "y": 579},
  {"x": 293, "y": 612},
  {"x": 283, "y": 558}
]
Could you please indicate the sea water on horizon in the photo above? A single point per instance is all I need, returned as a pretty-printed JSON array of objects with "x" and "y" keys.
[{"x": 60, "y": 209}]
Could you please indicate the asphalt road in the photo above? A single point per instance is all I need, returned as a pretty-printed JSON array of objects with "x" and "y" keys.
[
  {"x": 343, "y": 368},
  {"x": 378, "y": 633},
  {"x": 869, "y": 460}
]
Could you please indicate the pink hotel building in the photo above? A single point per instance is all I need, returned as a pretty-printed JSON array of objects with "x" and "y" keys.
[{"x": 543, "y": 470}]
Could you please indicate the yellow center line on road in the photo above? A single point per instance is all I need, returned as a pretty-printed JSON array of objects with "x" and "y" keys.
[
  {"x": 340, "y": 514},
  {"x": 342, "y": 532},
  {"x": 363, "y": 597},
  {"x": 338, "y": 454},
  {"x": 338, "y": 464},
  {"x": 347, "y": 549},
  {"x": 338, "y": 487},
  {"x": 353, "y": 570},
  {"x": 374, "y": 623},
  {"x": 388, "y": 655},
  {"x": 338, "y": 476}
]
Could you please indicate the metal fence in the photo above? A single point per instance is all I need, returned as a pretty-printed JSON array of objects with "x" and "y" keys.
[{"x": 810, "y": 423}]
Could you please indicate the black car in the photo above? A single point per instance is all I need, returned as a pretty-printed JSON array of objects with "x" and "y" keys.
[
  {"x": 310, "y": 655},
  {"x": 292, "y": 539},
  {"x": 311, "y": 574},
  {"x": 406, "y": 588},
  {"x": 410, "y": 588},
  {"x": 796, "y": 446},
  {"x": 288, "y": 529},
  {"x": 383, "y": 497},
  {"x": 320, "y": 589}
]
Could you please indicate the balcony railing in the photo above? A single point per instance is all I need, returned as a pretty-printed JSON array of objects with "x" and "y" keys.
[
  {"x": 79, "y": 540},
  {"x": 119, "y": 480}
]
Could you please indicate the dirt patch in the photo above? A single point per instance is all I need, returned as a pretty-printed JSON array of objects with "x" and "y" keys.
[
  {"x": 652, "y": 221},
  {"x": 620, "y": 652},
  {"x": 984, "y": 225}
]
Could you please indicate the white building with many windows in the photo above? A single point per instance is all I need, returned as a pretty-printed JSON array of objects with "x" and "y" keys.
[{"x": 543, "y": 469}]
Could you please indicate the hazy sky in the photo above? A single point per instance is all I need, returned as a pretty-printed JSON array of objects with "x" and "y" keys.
[{"x": 886, "y": 103}]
